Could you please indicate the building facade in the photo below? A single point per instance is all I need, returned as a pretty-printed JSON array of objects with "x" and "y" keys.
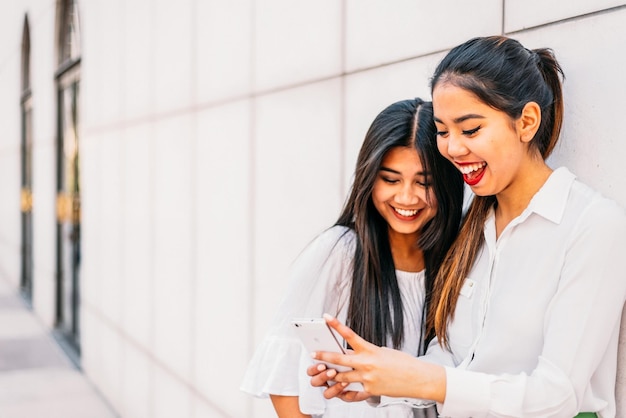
[{"x": 163, "y": 162}]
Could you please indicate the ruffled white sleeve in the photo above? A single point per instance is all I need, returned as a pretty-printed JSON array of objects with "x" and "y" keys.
[{"x": 318, "y": 282}]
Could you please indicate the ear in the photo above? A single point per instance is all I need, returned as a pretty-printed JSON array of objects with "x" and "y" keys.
[{"x": 529, "y": 121}]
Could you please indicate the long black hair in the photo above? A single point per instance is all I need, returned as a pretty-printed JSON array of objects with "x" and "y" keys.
[{"x": 375, "y": 306}]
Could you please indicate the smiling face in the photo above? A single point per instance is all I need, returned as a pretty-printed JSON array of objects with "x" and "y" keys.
[
  {"x": 485, "y": 144},
  {"x": 400, "y": 192}
]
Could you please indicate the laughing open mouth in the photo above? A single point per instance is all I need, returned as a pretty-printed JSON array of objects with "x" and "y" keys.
[{"x": 472, "y": 173}]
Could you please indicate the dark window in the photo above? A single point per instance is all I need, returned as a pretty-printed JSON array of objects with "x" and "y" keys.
[
  {"x": 68, "y": 205},
  {"x": 26, "y": 199}
]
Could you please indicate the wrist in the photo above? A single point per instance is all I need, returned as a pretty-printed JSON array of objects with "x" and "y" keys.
[{"x": 429, "y": 381}]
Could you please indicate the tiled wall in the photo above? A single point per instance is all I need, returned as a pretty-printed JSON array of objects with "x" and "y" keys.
[{"x": 219, "y": 137}]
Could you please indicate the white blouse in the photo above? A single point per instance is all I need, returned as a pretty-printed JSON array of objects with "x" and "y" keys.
[
  {"x": 319, "y": 282},
  {"x": 535, "y": 331}
]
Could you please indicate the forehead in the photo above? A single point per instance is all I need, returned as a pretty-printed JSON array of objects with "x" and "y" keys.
[
  {"x": 449, "y": 99},
  {"x": 403, "y": 159}
]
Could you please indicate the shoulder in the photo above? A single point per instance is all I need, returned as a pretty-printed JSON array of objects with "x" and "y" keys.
[
  {"x": 594, "y": 204},
  {"x": 334, "y": 243},
  {"x": 594, "y": 211},
  {"x": 336, "y": 237}
]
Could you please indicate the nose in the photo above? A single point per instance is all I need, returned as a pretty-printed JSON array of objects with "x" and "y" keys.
[
  {"x": 407, "y": 195},
  {"x": 456, "y": 146}
]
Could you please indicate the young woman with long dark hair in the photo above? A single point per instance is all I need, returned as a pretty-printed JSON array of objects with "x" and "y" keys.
[{"x": 375, "y": 267}]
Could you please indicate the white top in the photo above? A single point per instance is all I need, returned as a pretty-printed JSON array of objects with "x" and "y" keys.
[
  {"x": 535, "y": 331},
  {"x": 319, "y": 281}
]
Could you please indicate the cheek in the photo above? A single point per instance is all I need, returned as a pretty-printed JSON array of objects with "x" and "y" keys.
[
  {"x": 442, "y": 146},
  {"x": 431, "y": 214},
  {"x": 378, "y": 195},
  {"x": 432, "y": 204},
  {"x": 432, "y": 199}
]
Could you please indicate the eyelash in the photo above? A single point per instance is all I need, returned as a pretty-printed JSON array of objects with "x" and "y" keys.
[
  {"x": 393, "y": 181},
  {"x": 471, "y": 132},
  {"x": 468, "y": 132}
]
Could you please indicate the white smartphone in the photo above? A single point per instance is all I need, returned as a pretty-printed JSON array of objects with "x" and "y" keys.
[{"x": 316, "y": 335}]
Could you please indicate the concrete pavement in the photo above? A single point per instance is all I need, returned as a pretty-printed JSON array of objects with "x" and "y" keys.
[{"x": 37, "y": 379}]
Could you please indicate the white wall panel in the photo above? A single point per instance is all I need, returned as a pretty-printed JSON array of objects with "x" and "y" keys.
[
  {"x": 44, "y": 233},
  {"x": 201, "y": 409},
  {"x": 173, "y": 55},
  {"x": 138, "y": 233},
  {"x": 111, "y": 367},
  {"x": 10, "y": 215},
  {"x": 111, "y": 235},
  {"x": 10, "y": 86},
  {"x": 223, "y": 49},
  {"x": 223, "y": 215},
  {"x": 296, "y": 41},
  {"x": 91, "y": 348},
  {"x": 102, "y": 56},
  {"x": 11, "y": 24},
  {"x": 10, "y": 165},
  {"x": 594, "y": 87},
  {"x": 296, "y": 170},
  {"x": 138, "y": 52},
  {"x": 380, "y": 32},
  {"x": 173, "y": 243},
  {"x": 137, "y": 383},
  {"x": 92, "y": 229},
  {"x": 405, "y": 80},
  {"x": 521, "y": 14},
  {"x": 262, "y": 408},
  {"x": 41, "y": 19},
  {"x": 43, "y": 67}
]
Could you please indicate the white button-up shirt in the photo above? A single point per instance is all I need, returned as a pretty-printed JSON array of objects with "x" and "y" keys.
[{"x": 535, "y": 331}]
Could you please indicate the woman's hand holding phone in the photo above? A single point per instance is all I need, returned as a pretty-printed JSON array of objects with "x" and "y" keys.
[
  {"x": 317, "y": 336},
  {"x": 381, "y": 370}
]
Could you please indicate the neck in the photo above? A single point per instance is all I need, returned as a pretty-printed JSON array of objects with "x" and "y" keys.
[
  {"x": 406, "y": 253},
  {"x": 513, "y": 200}
]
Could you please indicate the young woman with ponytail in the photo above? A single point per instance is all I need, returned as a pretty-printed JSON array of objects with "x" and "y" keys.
[{"x": 527, "y": 304}]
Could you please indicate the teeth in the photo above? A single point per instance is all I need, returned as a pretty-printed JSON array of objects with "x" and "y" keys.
[
  {"x": 466, "y": 169},
  {"x": 405, "y": 212}
]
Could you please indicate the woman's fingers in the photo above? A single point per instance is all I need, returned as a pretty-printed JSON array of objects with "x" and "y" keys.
[
  {"x": 356, "y": 342},
  {"x": 351, "y": 396},
  {"x": 322, "y": 377},
  {"x": 338, "y": 390},
  {"x": 334, "y": 358},
  {"x": 315, "y": 369},
  {"x": 333, "y": 390}
]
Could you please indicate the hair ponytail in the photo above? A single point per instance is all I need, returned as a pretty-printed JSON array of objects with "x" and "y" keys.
[{"x": 552, "y": 74}]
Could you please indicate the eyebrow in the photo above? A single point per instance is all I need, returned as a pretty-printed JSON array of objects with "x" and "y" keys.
[{"x": 463, "y": 118}]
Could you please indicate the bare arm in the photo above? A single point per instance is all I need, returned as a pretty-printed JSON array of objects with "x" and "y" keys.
[{"x": 287, "y": 406}]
